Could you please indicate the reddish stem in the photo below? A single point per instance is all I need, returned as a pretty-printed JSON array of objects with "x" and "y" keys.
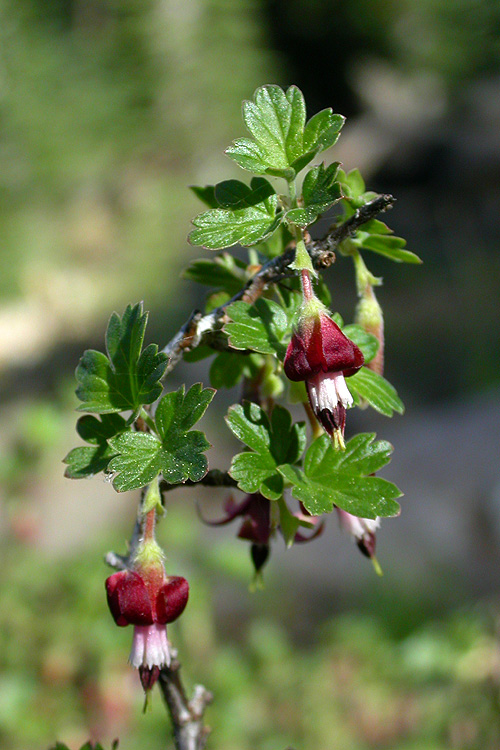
[
  {"x": 149, "y": 524},
  {"x": 307, "y": 288}
]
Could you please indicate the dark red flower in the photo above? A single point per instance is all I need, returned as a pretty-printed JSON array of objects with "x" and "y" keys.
[
  {"x": 148, "y": 600},
  {"x": 256, "y": 527},
  {"x": 322, "y": 356}
]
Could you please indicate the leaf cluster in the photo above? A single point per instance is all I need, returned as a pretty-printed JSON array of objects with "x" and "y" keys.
[
  {"x": 327, "y": 478},
  {"x": 375, "y": 236},
  {"x": 283, "y": 144},
  {"x": 125, "y": 441}
]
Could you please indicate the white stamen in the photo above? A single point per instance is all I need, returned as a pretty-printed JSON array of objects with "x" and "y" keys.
[{"x": 150, "y": 646}]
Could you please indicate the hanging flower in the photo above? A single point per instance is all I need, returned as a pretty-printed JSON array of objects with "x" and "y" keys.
[
  {"x": 363, "y": 532},
  {"x": 257, "y": 526},
  {"x": 145, "y": 597},
  {"x": 322, "y": 356},
  {"x": 148, "y": 600}
]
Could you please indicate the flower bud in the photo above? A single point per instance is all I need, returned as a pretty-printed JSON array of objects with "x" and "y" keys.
[{"x": 370, "y": 317}]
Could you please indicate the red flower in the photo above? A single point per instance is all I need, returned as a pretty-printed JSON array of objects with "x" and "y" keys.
[
  {"x": 321, "y": 355},
  {"x": 256, "y": 527},
  {"x": 148, "y": 600}
]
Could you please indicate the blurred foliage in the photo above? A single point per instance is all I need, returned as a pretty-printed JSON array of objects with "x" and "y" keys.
[
  {"x": 454, "y": 40},
  {"x": 104, "y": 104},
  {"x": 356, "y": 684},
  {"x": 108, "y": 109}
]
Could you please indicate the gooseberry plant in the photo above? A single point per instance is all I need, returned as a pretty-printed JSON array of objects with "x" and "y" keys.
[{"x": 268, "y": 326}]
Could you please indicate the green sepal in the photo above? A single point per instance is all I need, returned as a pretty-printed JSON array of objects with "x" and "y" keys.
[
  {"x": 271, "y": 441},
  {"x": 177, "y": 452},
  {"x": 86, "y": 461},
  {"x": 127, "y": 377},
  {"x": 376, "y": 390},
  {"x": 343, "y": 478}
]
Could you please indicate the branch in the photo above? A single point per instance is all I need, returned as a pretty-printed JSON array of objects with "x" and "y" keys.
[
  {"x": 190, "y": 733},
  {"x": 201, "y": 328}
]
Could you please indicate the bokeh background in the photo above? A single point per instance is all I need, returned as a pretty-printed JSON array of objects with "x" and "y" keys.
[{"x": 109, "y": 109}]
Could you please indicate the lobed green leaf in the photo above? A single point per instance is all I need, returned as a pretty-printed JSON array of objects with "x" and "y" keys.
[
  {"x": 272, "y": 442},
  {"x": 126, "y": 378},
  {"x": 376, "y": 390},
  {"x": 222, "y": 272},
  {"x": 332, "y": 477},
  {"x": 219, "y": 228},
  {"x": 261, "y": 327},
  {"x": 177, "y": 452},
  {"x": 86, "y": 461},
  {"x": 283, "y": 143}
]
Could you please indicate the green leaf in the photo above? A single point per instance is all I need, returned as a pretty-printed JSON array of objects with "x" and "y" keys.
[
  {"x": 322, "y": 131},
  {"x": 367, "y": 342},
  {"x": 177, "y": 452},
  {"x": 261, "y": 327},
  {"x": 387, "y": 245},
  {"x": 126, "y": 378},
  {"x": 272, "y": 442},
  {"x": 235, "y": 194},
  {"x": 228, "y": 368},
  {"x": 250, "y": 220},
  {"x": 222, "y": 272},
  {"x": 283, "y": 143},
  {"x": 375, "y": 235},
  {"x": 320, "y": 191},
  {"x": 353, "y": 185},
  {"x": 331, "y": 477},
  {"x": 205, "y": 194},
  {"x": 87, "y": 461},
  {"x": 376, "y": 390}
]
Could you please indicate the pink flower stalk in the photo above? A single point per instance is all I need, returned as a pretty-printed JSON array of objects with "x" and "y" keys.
[
  {"x": 322, "y": 356},
  {"x": 147, "y": 599},
  {"x": 362, "y": 531}
]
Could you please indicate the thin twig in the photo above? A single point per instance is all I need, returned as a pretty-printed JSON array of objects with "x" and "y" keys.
[
  {"x": 205, "y": 329},
  {"x": 190, "y": 732}
]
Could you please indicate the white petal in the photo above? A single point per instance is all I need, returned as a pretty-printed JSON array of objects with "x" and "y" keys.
[
  {"x": 343, "y": 391},
  {"x": 150, "y": 646}
]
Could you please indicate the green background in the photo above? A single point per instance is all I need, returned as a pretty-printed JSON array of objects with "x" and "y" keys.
[{"x": 109, "y": 109}]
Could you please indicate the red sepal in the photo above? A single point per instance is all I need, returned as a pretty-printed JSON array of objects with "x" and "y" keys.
[
  {"x": 319, "y": 344},
  {"x": 172, "y": 599},
  {"x": 128, "y": 599}
]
